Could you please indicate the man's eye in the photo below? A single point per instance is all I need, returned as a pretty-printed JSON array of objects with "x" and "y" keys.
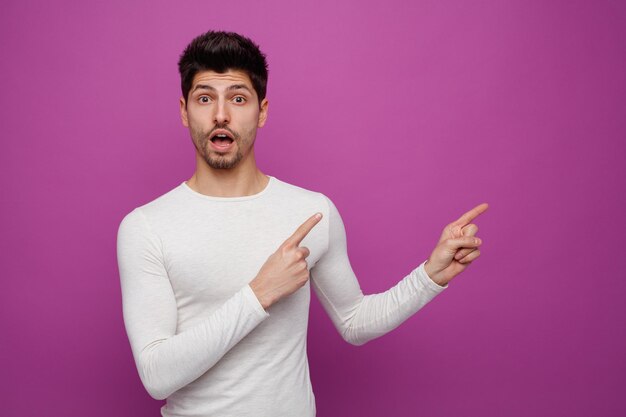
[
  {"x": 240, "y": 99},
  {"x": 204, "y": 99}
]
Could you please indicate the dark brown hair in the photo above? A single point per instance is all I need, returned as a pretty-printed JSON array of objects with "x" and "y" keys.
[{"x": 220, "y": 52}]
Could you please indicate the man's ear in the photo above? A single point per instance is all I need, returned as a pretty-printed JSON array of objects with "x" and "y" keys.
[
  {"x": 183, "y": 112},
  {"x": 263, "y": 112}
]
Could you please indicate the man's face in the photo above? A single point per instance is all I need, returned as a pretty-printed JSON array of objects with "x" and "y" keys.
[{"x": 223, "y": 114}]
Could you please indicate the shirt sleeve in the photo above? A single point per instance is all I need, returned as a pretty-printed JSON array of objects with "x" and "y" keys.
[
  {"x": 360, "y": 318},
  {"x": 167, "y": 360}
]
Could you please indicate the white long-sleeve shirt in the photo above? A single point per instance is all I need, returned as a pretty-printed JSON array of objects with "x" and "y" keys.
[{"x": 199, "y": 335}]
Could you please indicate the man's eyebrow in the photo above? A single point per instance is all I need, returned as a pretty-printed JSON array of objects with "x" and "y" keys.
[
  {"x": 230, "y": 87},
  {"x": 202, "y": 87},
  {"x": 238, "y": 87}
]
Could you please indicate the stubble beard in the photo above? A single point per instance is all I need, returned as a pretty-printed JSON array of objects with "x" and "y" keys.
[{"x": 214, "y": 159}]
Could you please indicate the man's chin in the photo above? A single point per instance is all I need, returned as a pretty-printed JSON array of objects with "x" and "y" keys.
[{"x": 222, "y": 162}]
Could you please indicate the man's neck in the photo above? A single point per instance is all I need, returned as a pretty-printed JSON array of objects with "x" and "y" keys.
[{"x": 228, "y": 182}]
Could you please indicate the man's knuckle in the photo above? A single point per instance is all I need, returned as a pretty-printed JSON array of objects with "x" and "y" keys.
[{"x": 470, "y": 230}]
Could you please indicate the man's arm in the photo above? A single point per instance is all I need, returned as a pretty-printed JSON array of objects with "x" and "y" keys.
[
  {"x": 360, "y": 318},
  {"x": 167, "y": 361}
]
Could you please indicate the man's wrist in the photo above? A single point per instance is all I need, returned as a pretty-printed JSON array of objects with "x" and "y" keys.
[
  {"x": 431, "y": 275},
  {"x": 257, "y": 293}
]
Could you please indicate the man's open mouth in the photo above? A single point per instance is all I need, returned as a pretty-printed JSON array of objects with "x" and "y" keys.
[{"x": 221, "y": 140}]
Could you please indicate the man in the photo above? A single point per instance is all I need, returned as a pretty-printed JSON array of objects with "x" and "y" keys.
[{"x": 216, "y": 273}]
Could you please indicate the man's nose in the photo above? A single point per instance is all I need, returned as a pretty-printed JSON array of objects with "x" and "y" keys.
[{"x": 221, "y": 112}]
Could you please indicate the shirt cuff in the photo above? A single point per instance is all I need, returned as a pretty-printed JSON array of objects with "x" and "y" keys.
[
  {"x": 254, "y": 301},
  {"x": 427, "y": 281}
]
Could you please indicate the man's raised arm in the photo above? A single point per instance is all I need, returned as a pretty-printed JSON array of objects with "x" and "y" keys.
[
  {"x": 167, "y": 361},
  {"x": 360, "y": 318}
]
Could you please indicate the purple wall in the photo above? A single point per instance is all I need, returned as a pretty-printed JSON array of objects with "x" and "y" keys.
[{"x": 406, "y": 114}]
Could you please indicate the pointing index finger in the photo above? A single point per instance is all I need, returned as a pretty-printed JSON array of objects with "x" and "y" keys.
[
  {"x": 303, "y": 230},
  {"x": 471, "y": 215}
]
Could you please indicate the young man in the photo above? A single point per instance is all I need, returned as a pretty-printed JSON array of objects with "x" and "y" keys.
[{"x": 216, "y": 273}]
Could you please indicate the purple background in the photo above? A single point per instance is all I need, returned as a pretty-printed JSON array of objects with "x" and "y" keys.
[{"x": 406, "y": 114}]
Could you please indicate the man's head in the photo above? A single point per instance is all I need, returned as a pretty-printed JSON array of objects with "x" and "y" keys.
[
  {"x": 223, "y": 78},
  {"x": 220, "y": 52}
]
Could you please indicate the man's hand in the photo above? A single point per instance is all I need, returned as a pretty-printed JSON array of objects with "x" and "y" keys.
[
  {"x": 286, "y": 270},
  {"x": 456, "y": 249}
]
